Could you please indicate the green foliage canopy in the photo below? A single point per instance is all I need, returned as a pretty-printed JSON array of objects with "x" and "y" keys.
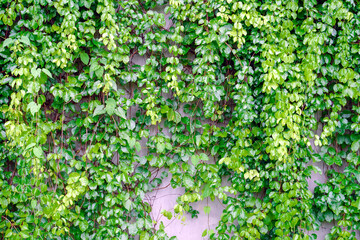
[{"x": 240, "y": 82}]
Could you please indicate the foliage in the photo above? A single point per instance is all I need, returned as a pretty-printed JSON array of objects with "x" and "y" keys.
[{"x": 226, "y": 102}]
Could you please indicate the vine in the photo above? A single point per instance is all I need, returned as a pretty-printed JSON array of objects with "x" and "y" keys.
[{"x": 228, "y": 102}]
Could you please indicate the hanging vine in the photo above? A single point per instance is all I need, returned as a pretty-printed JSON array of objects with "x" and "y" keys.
[{"x": 228, "y": 102}]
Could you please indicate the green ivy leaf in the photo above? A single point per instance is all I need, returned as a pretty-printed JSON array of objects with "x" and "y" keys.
[
  {"x": 35, "y": 72},
  {"x": 110, "y": 106},
  {"x": 33, "y": 107},
  {"x": 4, "y": 202},
  {"x": 167, "y": 214},
  {"x": 204, "y": 157},
  {"x": 132, "y": 229},
  {"x": 119, "y": 111},
  {"x": 356, "y": 204},
  {"x": 138, "y": 146},
  {"x": 94, "y": 66},
  {"x": 195, "y": 159},
  {"x": 33, "y": 203},
  {"x": 337, "y": 160},
  {"x": 84, "y": 58},
  {"x": 47, "y": 72},
  {"x": 131, "y": 142},
  {"x": 25, "y": 40},
  {"x": 355, "y": 145},
  {"x": 160, "y": 147},
  {"x": 83, "y": 225},
  {"x": 177, "y": 118},
  {"x": 328, "y": 216},
  {"x": 73, "y": 177},
  {"x": 99, "y": 72},
  {"x": 207, "y": 209},
  {"x": 144, "y": 235},
  {"x": 188, "y": 182},
  {"x": 206, "y": 191},
  {"x": 8, "y": 233},
  {"x": 7, "y": 42},
  {"x": 38, "y": 152},
  {"x": 99, "y": 110},
  {"x": 127, "y": 204},
  {"x": 328, "y": 160}
]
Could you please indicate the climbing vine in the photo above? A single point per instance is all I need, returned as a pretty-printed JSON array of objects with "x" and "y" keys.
[{"x": 235, "y": 101}]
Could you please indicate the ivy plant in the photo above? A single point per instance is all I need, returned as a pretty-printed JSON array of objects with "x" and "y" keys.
[{"x": 234, "y": 101}]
